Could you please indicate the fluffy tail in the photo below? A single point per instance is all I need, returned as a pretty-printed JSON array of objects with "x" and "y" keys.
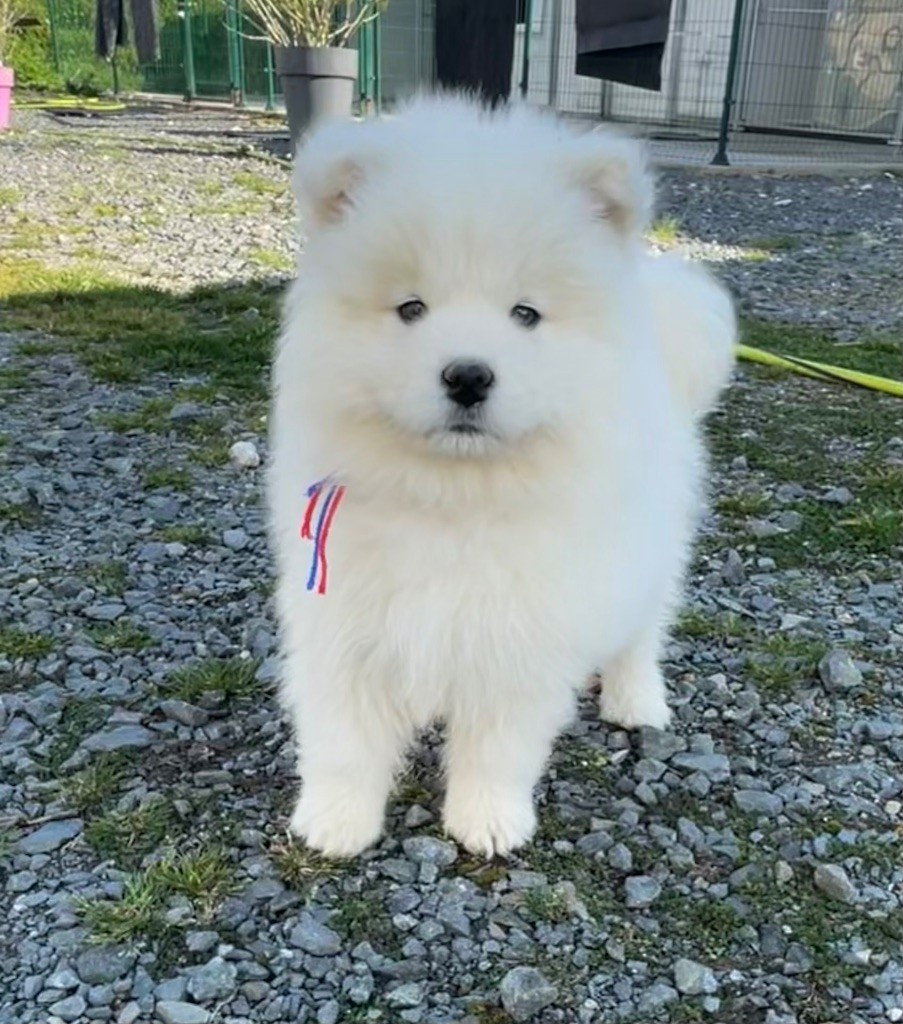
[{"x": 697, "y": 328}]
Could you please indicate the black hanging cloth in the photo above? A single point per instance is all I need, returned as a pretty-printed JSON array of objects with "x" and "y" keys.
[{"x": 622, "y": 40}]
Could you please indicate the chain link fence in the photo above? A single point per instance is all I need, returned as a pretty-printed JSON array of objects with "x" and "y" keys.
[{"x": 812, "y": 79}]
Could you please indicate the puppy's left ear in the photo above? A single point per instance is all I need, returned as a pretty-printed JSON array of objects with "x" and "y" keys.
[{"x": 613, "y": 172}]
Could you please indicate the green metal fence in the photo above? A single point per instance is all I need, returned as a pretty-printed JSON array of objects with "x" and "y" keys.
[
  {"x": 208, "y": 49},
  {"x": 799, "y": 74}
]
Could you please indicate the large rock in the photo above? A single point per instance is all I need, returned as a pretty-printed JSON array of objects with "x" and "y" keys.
[
  {"x": 315, "y": 938},
  {"x": 213, "y": 980},
  {"x": 51, "y": 836},
  {"x": 525, "y": 991}
]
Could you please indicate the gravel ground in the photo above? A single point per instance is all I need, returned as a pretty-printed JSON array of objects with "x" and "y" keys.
[{"x": 744, "y": 868}]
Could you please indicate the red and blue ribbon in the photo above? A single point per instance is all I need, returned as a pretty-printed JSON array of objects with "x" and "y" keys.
[{"x": 323, "y": 499}]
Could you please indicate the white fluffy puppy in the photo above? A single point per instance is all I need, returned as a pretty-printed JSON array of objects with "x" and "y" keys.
[{"x": 485, "y": 430}]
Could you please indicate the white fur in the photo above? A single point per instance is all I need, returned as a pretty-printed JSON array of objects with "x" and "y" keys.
[{"x": 480, "y": 579}]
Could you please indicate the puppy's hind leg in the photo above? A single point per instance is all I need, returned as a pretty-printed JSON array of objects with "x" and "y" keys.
[{"x": 633, "y": 687}]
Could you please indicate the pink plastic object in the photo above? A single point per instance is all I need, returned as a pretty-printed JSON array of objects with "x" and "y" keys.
[{"x": 6, "y": 94}]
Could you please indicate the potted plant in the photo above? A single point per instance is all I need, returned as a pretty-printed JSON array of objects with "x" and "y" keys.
[{"x": 317, "y": 68}]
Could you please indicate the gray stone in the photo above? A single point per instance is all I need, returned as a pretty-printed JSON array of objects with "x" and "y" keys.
[
  {"x": 184, "y": 713},
  {"x": 620, "y": 858},
  {"x": 186, "y": 412},
  {"x": 657, "y": 996},
  {"x": 64, "y": 979},
  {"x": 525, "y": 991},
  {"x": 172, "y": 989},
  {"x": 408, "y": 994},
  {"x": 659, "y": 744},
  {"x": 99, "y": 965},
  {"x": 214, "y": 980},
  {"x": 431, "y": 850},
  {"x": 104, "y": 611},
  {"x": 174, "y": 1011},
  {"x": 70, "y": 1008},
  {"x": 716, "y": 766},
  {"x": 834, "y": 882},
  {"x": 201, "y": 942},
  {"x": 838, "y": 671},
  {"x": 694, "y": 979},
  {"x": 244, "y": 455},
  {"x": 732, "y": 571},
  {"x": 754, "y": 801},
  {"x": 236, "y": 539},
  {"x": 120, "y": 737},
  {"x": 838, "y": 496},
  {"x": 51, "y": 836},
  {"x": 328, "y": 1013},
  {"x": 315, "y": 938},
  {"x": 641, "y": 891},
  {"x": 22, "y": 881}
]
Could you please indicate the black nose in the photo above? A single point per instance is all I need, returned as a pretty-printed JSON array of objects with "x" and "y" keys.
[{"x": 467, "y": 384}]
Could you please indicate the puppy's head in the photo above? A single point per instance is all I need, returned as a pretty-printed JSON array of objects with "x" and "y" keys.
[{"x": 466, "y": 272}]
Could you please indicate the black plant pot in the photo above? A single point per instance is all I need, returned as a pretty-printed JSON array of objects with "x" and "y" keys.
[{"x": 316, "y": 82}]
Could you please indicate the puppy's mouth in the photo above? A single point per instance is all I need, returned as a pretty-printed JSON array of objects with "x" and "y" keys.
[{"x": 466, "y": 422}]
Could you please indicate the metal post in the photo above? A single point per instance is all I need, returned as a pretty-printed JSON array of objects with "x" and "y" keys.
[
  {"x": 115, "y": 69},
  {"x": 271, "y": 80},
  {"x": 233, "y": 52},
  {"x": 191, "y": 86},
  {"x": 525, "y": 55},
  {"x": 720, "y": 158},
  {"x": 54, "y": 38},
  {"x": 377, "y": 77},
  {"x": 555, "y": 53}
]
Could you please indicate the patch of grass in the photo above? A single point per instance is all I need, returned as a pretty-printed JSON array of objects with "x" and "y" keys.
[
  {"x": 124, "y": 333},
  {"x": 14, "y": 378},
  {"x": 204, "y": 877},
  {"x": 299, "y": 867},
  {"x": 580, "y": 762},
  {"x": 20, "y": 515},
  {"x": 210, "y": 188},
  {"x": 121, "y": 636},
  {"x": 259, "y": 185},
  {"x": 708, "y": 926},
  {"x": 782, "y": 661},
  {"x": 364, "y": 917},
  {"x": 18, "y": 643},
  {"x": 192, "y": 536},
  {"x": 168, "y": 476},
  {"x": 78, "y": 720},
  {"x": 665, "y": 231},
  {"x": 90, "y": 791},
  {"x": 271, "y": 259},
  {"x": 10, "y": 195},
  {"x": 693, "y": 624},
  {"x": 872, "y": 353},
  {"x": 126, "y": 837},
  {"x": 743, "y": 504},
  {"x": 111, "y": 576},
  {"x": 773, "y": 243},
  {"x": 545, "y": 904},
  {"x": 233, "y": 678},
  {"x": 102, "y": 211}
]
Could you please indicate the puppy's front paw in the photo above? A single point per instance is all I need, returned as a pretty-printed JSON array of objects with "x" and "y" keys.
[
  {"x": 336, "y": 820},
  {"x": 632, "y": 708},
  {"x": 489, "y": 822}
]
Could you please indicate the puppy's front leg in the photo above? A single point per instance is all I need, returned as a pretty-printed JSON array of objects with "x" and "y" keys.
[
  {"x": 350, "y": 744},
  {"x": 494, "y": 758}
]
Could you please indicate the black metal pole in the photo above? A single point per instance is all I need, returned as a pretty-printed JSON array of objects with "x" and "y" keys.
[
  {"x": 528, "y": 41},
  {"x": 720, "y": 158}
]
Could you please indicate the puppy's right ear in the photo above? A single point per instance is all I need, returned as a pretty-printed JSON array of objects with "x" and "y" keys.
[{"x": 329, "y": 168}]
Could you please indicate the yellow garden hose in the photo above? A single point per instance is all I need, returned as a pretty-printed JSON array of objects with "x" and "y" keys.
[
  {"x": 63, "y": 103},
  {"x": 821, "y": 371}
]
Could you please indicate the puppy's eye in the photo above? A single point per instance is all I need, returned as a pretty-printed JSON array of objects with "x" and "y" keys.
[
  {"x": 525, "y": 315},
  {"x": 411, "y": 310}
]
